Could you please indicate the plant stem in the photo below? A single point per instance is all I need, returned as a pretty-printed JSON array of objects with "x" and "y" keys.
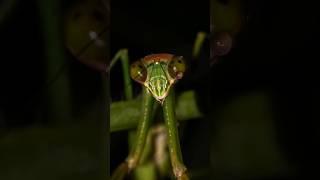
[
  {"x": 122, "y": 55},
  {"x": 59, "y": 94},
  {"x": 198, "y": 43}
]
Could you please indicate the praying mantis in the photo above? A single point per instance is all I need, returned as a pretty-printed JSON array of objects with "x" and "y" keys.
[{"x": 158, "y": 74}]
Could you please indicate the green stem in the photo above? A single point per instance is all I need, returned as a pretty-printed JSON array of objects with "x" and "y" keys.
[
  {"x": 59, "y": 93},
  {"x": 179, "y": 169},
  {"x": 114, "y": 60},
  {"x": 122, "y": 55},
  {"x": 126, "y": 75},
  {"x": 201, "y": 36}
]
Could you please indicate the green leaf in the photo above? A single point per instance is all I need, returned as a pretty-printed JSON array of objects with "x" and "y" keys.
[{"x": 126, "y": 114}]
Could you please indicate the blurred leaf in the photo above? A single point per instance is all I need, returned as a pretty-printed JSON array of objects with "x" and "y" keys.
[
  {"x": 6, "y": 9},
  {"x": 86, "y": 32},
  {"x": 126, "y": 114},
  {"x": 226, "y": 16},
  {"x": 38, "y": 153},
  {"x": 244, "y": 139},
  {"x": 146, "y": 171},
  {"x": 186, "y": 106}
]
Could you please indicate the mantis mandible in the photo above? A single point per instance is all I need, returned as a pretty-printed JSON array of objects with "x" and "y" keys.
[{"x": 157, "y": 73}]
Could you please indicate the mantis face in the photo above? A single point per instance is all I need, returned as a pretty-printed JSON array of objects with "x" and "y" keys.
[{"x": 158, "y": 72}]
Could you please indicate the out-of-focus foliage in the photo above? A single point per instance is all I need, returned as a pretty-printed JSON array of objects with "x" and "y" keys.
[
  {"x": 53, "y": 153},
  {"x": 227, "y": 16},
  {"x": 57, "y": 128},
  {"x": 6, "y": 8},
  {"x": 243, "y": 142},
  {"x": 86, "y": 32}
]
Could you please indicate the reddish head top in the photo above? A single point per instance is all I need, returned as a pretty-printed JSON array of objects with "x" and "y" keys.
[{"x": 157, "y": 58}]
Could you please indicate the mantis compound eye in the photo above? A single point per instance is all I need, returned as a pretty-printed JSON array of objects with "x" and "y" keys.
[
  {"x": 138, "y": 72},
  {"x": 177, "y": 67}
]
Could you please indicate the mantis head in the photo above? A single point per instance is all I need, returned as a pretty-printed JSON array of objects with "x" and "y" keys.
[{"x": 158, "y": 73}]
